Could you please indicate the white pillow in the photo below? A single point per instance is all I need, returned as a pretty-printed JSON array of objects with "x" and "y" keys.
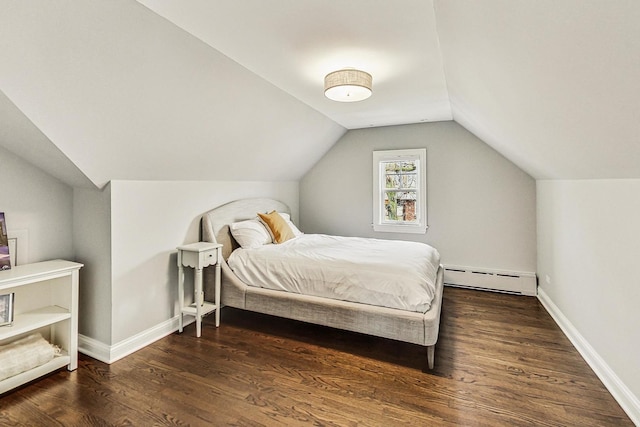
[
  {"x": 287, "y": 218},
  {"x": 250, "y": 233}
]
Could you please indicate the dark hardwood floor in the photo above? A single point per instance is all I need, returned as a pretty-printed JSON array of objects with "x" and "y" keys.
[{"x": 500, "y": 361}]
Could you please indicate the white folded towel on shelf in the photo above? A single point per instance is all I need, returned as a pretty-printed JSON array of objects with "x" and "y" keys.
[{"x": 24, "y": 354}]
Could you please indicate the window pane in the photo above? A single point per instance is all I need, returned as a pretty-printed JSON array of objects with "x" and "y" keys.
[
  {"x": 400, "y": 206},
  {"x": 393, "y": 181},
  {"x": 400, "y": 166},
  {"x": 410, "y": 180},
  {"x": 401, "y": 174}
]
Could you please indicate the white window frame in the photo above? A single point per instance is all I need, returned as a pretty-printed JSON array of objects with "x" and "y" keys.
[{"x": 379, "y": 185}]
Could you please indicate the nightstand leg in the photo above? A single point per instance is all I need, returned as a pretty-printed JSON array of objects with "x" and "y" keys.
[
  {"x": 180, "y": 291},
  {"x": 217, "y": 301},
  {"x": 198, "y": 300}
]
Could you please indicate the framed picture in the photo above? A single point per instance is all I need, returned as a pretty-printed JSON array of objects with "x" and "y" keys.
[
  {"x": 5, "y": 259},
  {"x": 6, "y": 309}
]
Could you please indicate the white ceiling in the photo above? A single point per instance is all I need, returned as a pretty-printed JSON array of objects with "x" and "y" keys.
[
  {"x": 190, "y": 90},
  {"x": 294, "y": 44},
  {"x": 125, "y": 95},
  {"x": 23, "y": 138},
  {"x": 553, "y": 85}
]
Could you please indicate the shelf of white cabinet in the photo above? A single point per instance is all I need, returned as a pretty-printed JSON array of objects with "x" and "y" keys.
[
  {"x": 46, "y": 301},
  {"x": 39, "y": 271},
  {"x": 32, "y": 374},
  {"x": 32, "y": 320}
]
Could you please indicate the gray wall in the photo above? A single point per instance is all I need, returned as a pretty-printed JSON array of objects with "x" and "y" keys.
[
  {"x": 481, "y": 207},
  {"x": 37, "y": 205},
  {"x": 127, "y": 235},
  {"x": 92, "y": 244},
  {"x": 588, "y": 250}
]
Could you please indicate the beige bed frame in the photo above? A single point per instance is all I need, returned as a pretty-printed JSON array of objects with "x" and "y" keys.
[{"x": 407, "y": 326}]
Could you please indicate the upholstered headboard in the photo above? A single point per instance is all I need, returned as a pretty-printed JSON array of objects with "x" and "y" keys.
[{"x": 215, "y": 223}]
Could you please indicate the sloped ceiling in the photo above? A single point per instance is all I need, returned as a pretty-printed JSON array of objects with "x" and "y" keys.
[
  {"x": 210, "y": 90},
  {"x": 126, "y": 95},
  {"x": 294, "y": 44},
  {"x": 554, "y": 85},
  {"x": 21, "y": 137}
]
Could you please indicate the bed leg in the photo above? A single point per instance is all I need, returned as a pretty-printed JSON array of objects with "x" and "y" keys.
[{"x": 431, "y": 355}]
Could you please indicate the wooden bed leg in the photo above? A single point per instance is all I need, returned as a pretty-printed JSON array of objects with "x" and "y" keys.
[{"x": 431, "y": 355}]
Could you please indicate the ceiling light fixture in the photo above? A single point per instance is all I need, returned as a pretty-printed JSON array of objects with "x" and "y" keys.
[{"x": 347, "y": 85}]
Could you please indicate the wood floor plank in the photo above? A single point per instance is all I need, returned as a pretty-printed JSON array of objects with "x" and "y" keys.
[{"x": 500, "y": 361}]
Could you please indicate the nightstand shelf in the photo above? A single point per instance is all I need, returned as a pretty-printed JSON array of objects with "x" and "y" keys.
[
  {"x": 207, "y": 308},
  {"x": 198, "y": 256}
]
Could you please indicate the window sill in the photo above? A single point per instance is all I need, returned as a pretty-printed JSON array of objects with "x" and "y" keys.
[{"x": 412, "y": 229}]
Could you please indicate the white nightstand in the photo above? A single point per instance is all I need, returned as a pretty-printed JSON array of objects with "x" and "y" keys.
[{"x": 198, "y": 256}]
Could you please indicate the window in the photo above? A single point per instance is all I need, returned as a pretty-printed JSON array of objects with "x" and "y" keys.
[{"x": 400, "y": 191}]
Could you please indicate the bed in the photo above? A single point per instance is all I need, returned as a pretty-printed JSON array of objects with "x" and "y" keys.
[{"x": 407, "y": 325}]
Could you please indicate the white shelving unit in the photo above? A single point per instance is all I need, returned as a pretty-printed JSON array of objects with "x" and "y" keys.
[{"x": 46, "y": 301}]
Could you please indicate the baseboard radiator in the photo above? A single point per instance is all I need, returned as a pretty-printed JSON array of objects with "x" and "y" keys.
[{"x": 491, "y": 280}]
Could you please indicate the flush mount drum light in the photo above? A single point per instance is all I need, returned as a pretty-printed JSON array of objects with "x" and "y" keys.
[{"x": 347, "y": 85}]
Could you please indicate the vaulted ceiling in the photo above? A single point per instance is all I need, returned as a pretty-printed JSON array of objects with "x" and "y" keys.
[{"x": 93, "y": 91}]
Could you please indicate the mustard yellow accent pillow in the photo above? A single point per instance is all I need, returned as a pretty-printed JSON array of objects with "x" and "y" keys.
[{"x": 280, "y": 230}]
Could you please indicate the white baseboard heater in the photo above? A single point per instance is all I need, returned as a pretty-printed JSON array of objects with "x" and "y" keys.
[{"x": 491, "y": 280}]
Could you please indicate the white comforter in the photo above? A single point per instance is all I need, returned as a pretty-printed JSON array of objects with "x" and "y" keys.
[{"x": 387, "y": 273}]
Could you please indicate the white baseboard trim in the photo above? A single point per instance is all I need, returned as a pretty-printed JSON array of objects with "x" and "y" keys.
[
  {"x": 109, "y": 354},
  {"x": 620, "y": 392},
  {"x": 94, "y": 348}
]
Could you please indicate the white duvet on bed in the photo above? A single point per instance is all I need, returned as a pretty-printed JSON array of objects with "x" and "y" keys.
[{"x": 388, "y": 273}]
